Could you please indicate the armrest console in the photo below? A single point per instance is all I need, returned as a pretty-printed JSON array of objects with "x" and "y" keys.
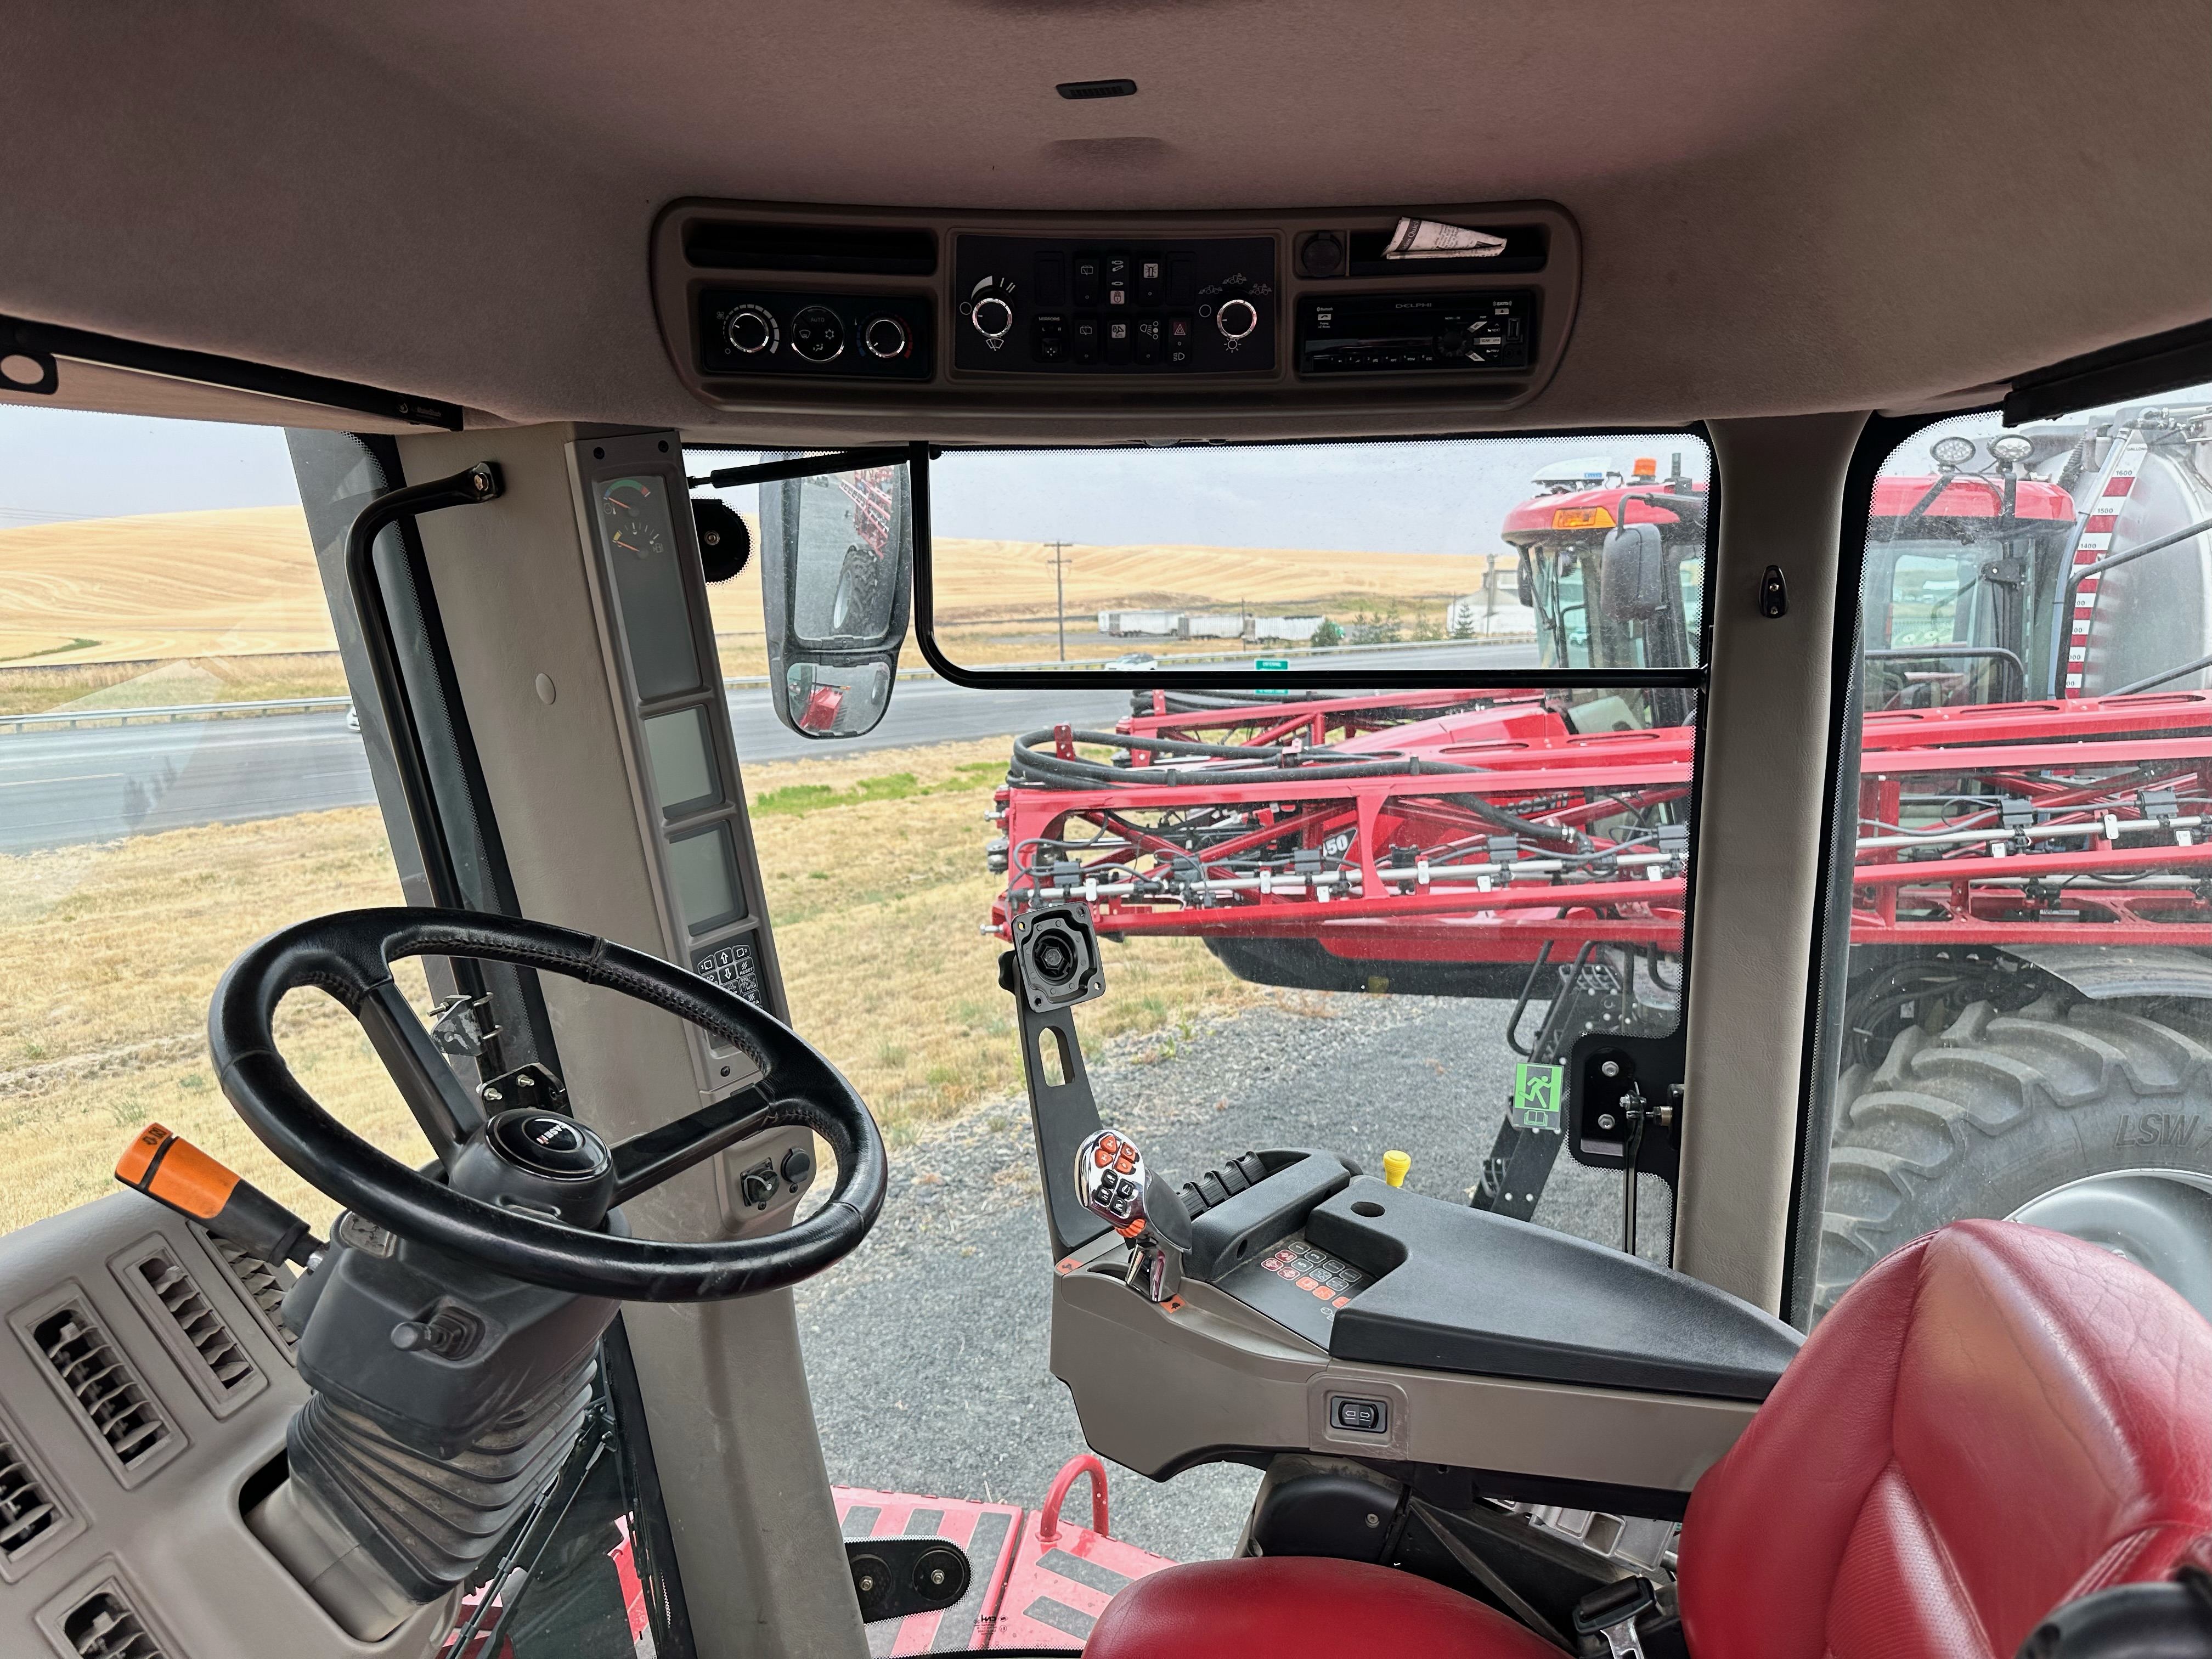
[{"x": 1462, "y": 1290}]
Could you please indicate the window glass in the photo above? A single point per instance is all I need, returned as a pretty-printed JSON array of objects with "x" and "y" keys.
[
  {"x": 2027, "y": 1026},
  {"x": 1293, "y": 957},
  {"x": 1201, "y": 553},
  {"x": 179, "y": 775}
]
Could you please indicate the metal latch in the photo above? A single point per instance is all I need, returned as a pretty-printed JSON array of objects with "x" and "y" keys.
[{"x": 1611, "y": 1612}]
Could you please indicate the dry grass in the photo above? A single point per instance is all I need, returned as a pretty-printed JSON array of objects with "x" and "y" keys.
[
  {"x": 29, "y": 690},
  {"x": 877, "y": 903},
  {"x": 108, "y": 955},
  {"x": 234, "y": 582},
  {"x": 200, "y": 587},
  {"x": 978, "y": 580}
]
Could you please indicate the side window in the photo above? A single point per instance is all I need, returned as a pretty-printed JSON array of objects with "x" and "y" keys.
[
  {"x": 2027, "y": 1026},
  {"x": 179, "y": 774}
]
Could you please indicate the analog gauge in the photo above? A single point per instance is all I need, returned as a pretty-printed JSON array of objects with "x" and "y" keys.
[{"x": 633, "y": 517}]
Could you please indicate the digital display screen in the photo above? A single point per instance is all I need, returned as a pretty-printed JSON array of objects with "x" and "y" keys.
[
  {"x": 683, "y": 778},
  {"x": 706, "y": 877}
]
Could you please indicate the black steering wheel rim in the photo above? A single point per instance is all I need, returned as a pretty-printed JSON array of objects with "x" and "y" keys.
[{"x": 349, "y": 955}]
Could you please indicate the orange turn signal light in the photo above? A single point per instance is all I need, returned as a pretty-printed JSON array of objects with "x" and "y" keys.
[{"x": 1581, "y": 518}]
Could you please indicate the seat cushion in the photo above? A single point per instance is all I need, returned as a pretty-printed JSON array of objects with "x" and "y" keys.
[
  {"x": 1995, "y": 1421},
  {"x": 1302, "y": 1608}
]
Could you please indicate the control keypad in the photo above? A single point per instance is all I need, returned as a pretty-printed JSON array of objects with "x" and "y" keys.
[{"x": 1298, "y": 1284}]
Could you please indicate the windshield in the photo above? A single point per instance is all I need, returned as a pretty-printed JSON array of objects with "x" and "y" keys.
[{"x": 1304, "y": 939}]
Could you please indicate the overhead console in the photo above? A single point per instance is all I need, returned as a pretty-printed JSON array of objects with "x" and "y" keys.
[{"x": 972, "y": 320}]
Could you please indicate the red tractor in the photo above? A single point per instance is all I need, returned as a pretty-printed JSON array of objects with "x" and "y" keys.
[{"x": 2035, "y": 790}]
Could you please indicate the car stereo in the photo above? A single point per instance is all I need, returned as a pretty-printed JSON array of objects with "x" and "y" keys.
[{"x": 1390, "y": 333}]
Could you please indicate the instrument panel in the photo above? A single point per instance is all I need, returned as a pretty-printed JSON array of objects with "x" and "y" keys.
[
  {"x": 984, "y": 322},
  {"x": 1061, "y": 305}
]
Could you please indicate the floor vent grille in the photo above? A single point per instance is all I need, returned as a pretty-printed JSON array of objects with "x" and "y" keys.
[
  {"x": 226, "y": 1360},
  {"x": 27, "y": 1510},
  {"x": 95, "y": 1375},
  {"x": 104, "y": 1627},
  {"x": 263, "y": 1286}
]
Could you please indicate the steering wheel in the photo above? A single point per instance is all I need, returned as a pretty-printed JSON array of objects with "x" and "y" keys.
[{"x": 541, "y": 1156}]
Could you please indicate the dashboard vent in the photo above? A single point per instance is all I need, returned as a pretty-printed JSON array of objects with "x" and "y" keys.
[
  {"x": 27, "y": 1509},
  {"x": 233, "y": 1374},
  {"x": 852, "y": 250},
  {"x": 104, "y": 1627},
  {"x": 262, "y": 1285},
  {"x": 94, "y": 1374}
]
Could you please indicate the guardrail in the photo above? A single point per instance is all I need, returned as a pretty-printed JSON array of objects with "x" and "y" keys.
[{"x": 73, "y": 718}]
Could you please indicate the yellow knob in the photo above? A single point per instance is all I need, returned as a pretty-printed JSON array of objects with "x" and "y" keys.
[{"x": 1395, "y": 1165}]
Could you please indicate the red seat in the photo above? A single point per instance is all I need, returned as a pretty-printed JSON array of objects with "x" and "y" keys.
[{"x": 1995, "y": 1421}]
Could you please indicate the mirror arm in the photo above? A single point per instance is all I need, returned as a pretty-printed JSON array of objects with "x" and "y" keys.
[{"x": 805, "y": 466}]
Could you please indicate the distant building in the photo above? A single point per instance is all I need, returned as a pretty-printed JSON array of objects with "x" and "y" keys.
[{"x": 1202, "y": 625}]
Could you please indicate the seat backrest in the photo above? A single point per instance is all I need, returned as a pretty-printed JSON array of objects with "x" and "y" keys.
[{"x": 1995, "y": 1421}]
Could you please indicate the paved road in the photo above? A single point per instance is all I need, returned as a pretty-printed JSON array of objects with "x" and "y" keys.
[
  {"x": 927, "y": 1349},
  {"x": 61, "y": 787}
]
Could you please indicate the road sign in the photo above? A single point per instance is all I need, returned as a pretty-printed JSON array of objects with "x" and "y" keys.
[{"x": 1272, "y": 665}]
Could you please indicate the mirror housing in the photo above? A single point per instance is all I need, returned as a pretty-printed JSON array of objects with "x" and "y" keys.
[
  {"x": 1632, "y": 564},
  {"x": 836, "y": 558}
]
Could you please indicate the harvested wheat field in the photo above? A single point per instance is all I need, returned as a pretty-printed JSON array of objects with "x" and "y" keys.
[
  {"x": 238, "y": 581},
  {"x": 875, "y": 876},
  {"x": 980, "y": 579}
]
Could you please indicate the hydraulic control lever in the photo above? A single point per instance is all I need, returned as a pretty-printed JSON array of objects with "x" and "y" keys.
[{"x": 1114, "y": 1185}]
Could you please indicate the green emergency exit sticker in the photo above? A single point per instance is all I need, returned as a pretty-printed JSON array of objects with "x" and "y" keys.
[{"x": 1538, "y": 1096}]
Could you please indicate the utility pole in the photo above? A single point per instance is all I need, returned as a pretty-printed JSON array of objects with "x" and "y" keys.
[{"x": 1059, "y": 589}]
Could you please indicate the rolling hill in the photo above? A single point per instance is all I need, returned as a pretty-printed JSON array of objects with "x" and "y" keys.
[{"x": 242, "y": 582}]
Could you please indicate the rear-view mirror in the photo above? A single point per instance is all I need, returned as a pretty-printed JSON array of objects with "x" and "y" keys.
[
  {"x": 836, "y": 558},
  {"x": 1633, "y": 576}
]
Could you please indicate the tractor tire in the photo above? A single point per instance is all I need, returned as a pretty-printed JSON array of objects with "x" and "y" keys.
[
  {"x": 858, "y": 608},
  {"x": 1998, "y": 1110}
]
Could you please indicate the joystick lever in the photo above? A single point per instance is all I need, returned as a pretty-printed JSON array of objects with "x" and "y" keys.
[{"x": 1113, "y": 1184}]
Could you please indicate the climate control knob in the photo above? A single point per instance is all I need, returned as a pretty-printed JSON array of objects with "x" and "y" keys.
[
  {"x": 994, "y": 317},
  {"x": 817, "y": 334},
  {"x": 751, "y": 330},
  {"x": 886, "y": 336},
  {"x": 1236, "y": 319}
]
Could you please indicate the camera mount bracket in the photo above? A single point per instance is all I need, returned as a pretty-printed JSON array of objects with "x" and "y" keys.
[{"x": 1053, "y": 966}]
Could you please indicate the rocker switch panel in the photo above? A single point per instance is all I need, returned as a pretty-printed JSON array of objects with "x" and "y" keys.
[{"x": 1358, "y": 1416}]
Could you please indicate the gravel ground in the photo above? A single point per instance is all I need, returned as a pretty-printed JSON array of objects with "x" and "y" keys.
[{"x": 926, "y": 1349}]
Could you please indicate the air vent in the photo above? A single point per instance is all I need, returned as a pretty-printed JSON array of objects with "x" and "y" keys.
[
  {"x": 104, "y": 1627},
  {"x": 214, "y": 1359},
  {"x": 27, "y": 1510},
  {"x": 846, "y": 250},
  {"x": 262, "y": 1285},
  {"x": 96, "y": 1377},
  {"x": 35, "y": 1516}
]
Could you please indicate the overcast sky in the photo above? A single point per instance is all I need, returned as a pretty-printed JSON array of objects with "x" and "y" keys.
[
  {"x": 65, "y": 464},
  {"x": 1418, "y": 497},
  {"x": 1421, "y": 497}
]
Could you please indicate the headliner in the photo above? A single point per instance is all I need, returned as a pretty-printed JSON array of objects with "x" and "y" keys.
[{"x": 1785, "y": 209}]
